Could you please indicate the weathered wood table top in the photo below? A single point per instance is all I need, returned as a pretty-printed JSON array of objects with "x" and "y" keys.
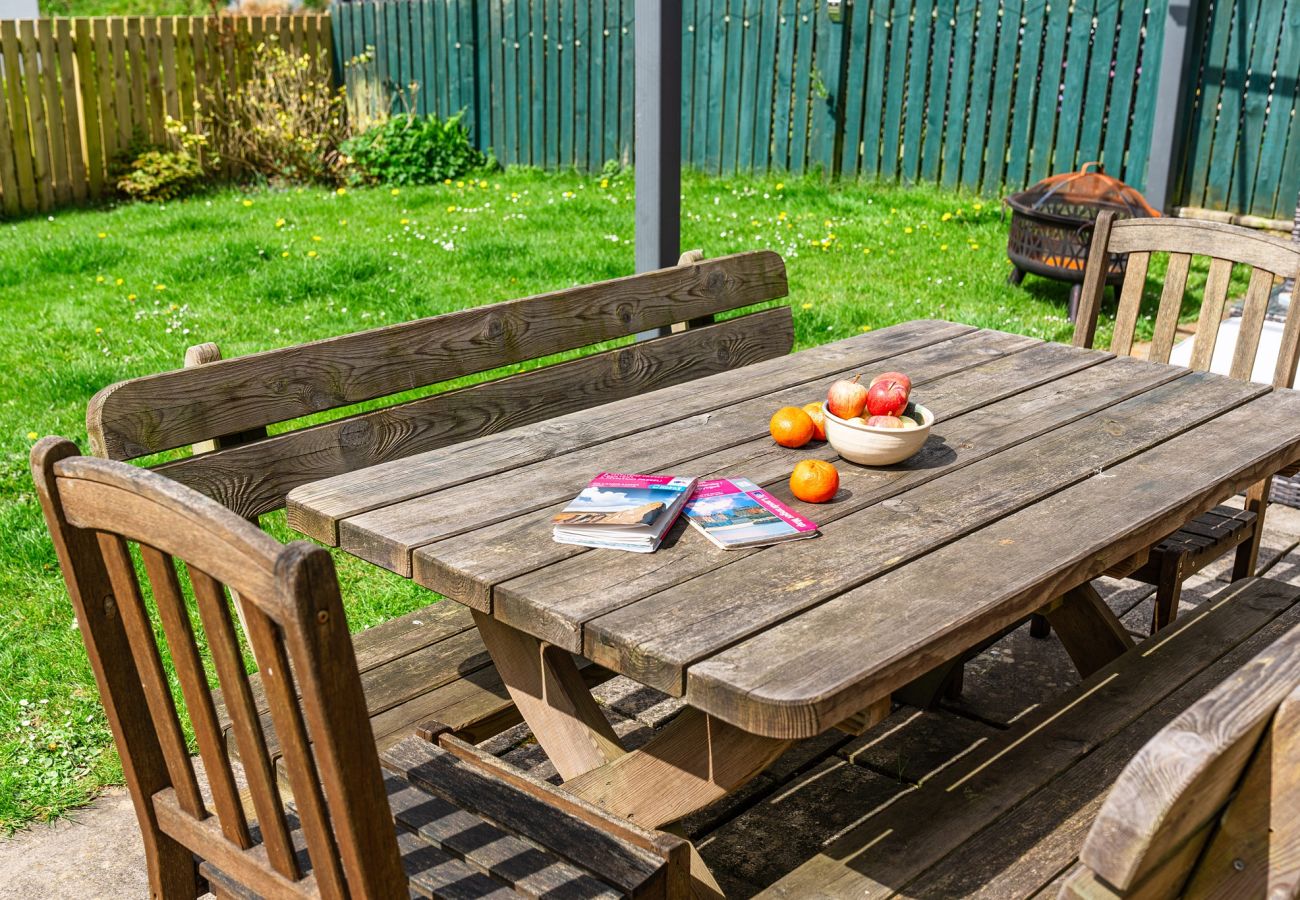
[{"x": 1047, "y": 465}]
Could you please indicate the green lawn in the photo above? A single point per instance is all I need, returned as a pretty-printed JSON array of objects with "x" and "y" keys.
[{"x": 95, "y": 296}]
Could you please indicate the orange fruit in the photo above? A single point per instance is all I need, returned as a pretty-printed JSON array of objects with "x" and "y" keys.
[
  {"x": 818, "y": 415},
  {"x": 791, "y": 427},
  {"x": 814, "y": 481}
]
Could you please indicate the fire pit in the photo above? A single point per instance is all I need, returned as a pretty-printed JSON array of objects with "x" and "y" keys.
[{"x": 1051, "y": 225}]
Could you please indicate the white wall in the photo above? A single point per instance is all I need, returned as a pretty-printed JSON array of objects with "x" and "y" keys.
[{"x": 20, "y": 9}]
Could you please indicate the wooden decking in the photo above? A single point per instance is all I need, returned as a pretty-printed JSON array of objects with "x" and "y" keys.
[{"x": 982, "y": 761}]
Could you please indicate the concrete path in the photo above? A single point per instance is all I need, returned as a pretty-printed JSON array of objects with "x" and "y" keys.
[{"x": 96, "y": 851}]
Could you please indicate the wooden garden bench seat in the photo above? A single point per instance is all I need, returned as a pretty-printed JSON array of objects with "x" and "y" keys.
[
  {"x": 445, "y": 820},
  {"x": 431, "y": 662},
  {"x": 1008, "y": 818}
]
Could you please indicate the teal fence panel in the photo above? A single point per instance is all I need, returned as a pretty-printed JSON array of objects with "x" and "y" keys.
[{"x": 985, "y": 95}]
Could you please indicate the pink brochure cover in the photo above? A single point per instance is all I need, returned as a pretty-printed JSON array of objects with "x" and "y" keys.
[{"x": 735, "y": 510}]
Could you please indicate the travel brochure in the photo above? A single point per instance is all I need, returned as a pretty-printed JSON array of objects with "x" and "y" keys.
[{"x": 634, "y": 512}]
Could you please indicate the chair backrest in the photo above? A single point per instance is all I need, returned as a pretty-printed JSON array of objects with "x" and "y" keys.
[
  {"x": 295, "y": 626},
  {"x": 234, "y": 399},
  {"x": 1211, "y": 805},
  {"x": 1268, "y": 257}
]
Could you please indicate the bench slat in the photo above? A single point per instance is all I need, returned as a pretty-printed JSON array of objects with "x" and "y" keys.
[
  {"x": 171, "y": 409},
  {"x": 253, "y": 478}
]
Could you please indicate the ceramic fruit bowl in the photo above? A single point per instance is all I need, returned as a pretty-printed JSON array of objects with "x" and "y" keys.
[{"x": 872, "y": 446}]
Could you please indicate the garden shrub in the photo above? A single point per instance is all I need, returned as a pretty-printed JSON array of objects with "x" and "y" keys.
[
  {"x": 411, "y": 149},
  {"x": 164, "y": 173},
  {"x": 285, "y": 121}
]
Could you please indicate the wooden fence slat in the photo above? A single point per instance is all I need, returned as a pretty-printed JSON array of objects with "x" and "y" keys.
[
  {"x": 137, "y": 98},
  {"x": 803, "y": 55},
  {"x": 1000, "y": 103},
  {"x": 1053, "y": 59},
  {"x": 597, "y": 44},
  {"x": 103, "y": 43},
  {"x": 455, "y": 80},
  {"x": 919, "y": 69},
  {"x": 1270, "y": 174},
  {"x": 9, "y": 199},
  {"x": 897, "y": 85},
  {"x": 701, "y": 35},
  {"x": 1025, "y": 95},
  {"x": 72, "y": 136},
  {"x": 625, "y": 84},
  {"x": 855, "y": 93},
  {"x": 766, "y": 73},
  {"x": 578, "y": 56},
  {"x": 1122, "y": 89},
  {"x": 935, "y": 118},
  {"x": 153, "y": 76},
  {"x": 537, "y": 58},
  {"x": 469, "y": 75},
  {"x": 1098, "y": 85},
  {"x": 88, "y": 92},
  {"x": 1268, "y": 34},
  {"x": 753, "y": 70},
  {"x": 877, "y": 41},
  {"x": 42, "y": 172},
  {"x": 1227, "y": 144},
  {"x": 1135, "y": 172},
  {"x": 954, "y": 138},
  {"x": 19, "y": 132},
  {"x": 171, "y": 94},
  {"x": 732, "y": 20},
  {"x": 483, "y": 80},
  {"x": 50, "y": 87},
  {"x": 121, "y": 82},
  {"x": 1076, "y": 70}
]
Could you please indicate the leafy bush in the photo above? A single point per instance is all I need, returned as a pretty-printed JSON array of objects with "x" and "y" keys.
[
  {"x": 167, "y": 172},
  {"x": 411, "y": 149},
  {"x": 285, "y": 121}
]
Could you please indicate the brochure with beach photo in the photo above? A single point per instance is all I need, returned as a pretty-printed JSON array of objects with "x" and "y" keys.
[
  {"x": 736, "y": 513},
  {"x": 623, "y": 512}
]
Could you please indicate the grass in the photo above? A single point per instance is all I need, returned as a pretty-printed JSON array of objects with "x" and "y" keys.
[{"x": 95, "y": 296}]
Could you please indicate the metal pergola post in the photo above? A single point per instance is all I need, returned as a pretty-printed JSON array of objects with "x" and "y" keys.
[{"x": 658, "y": 133}]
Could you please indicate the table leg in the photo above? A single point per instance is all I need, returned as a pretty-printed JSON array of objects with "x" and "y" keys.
[
  {"x": 1091, "y": 633},
  {"x": 693, "y": 762},
  {"x": 549, "y": 691}
]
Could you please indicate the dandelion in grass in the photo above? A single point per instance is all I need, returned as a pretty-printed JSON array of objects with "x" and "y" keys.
[
  {"x": 451, "y": 209},
  {"x": 943, "y": 246},
  {"x": 977, "y": 206},
  {"x": 102, "y": 235},
  {"x": 341, "y": 191},
  {"x": 160, "y": 287},
  {"x": 483, "y": 185},
  {"x": 316, "y": 237},
  {"x": 130, "y": 298},
  {"x": 394, "y": 192},
  {"x": 31, "y": 435},
  {"x": 99, "y": 279},
  {"x": 343, "y": 222},
  {"x": 806, "y": 306},
  {"x": 907, "y": 229},
  {"x": 460, "y": 184},
  {"x": 946, "y": 217},
  {"x": 866, "y": 251},
  {"x": 780, "y": 185},
  {"x": 248, "y": 203},
  {"x": 446, "y": 181},
  {"x": 866, "y": 328},
  {"x": 312, "y": 254},
  {"x": 285, "y": 254},
  {"x": 119, "y": 282},
  {"x": 279, "y": 223}
]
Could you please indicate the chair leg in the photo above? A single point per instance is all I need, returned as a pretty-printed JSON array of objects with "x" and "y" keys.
[
  {"x": 1168, "y": 591},
  {"x": 1039, "y": 627},
  {"x": 1248, "y": 550}
]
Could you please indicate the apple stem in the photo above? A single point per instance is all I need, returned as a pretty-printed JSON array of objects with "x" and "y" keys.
[{"x": 856, "y": 377}]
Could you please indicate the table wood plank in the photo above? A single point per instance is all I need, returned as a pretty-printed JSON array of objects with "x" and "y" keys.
[
  {"x": 559, "y": 599},
  {"x": 468, "y": 567},
  {"x": 388, "y": 536},
  {"x": 800, "y": 677},
  {"x": 315, "y": 509},
  {"x": 655, "y": 639}
]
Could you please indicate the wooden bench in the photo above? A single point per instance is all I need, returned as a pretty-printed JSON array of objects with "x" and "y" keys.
[
  {"x": 443, "y": 820},
  {"x": 431, "y": 663},
  {"x": 1008, "y": 816}
]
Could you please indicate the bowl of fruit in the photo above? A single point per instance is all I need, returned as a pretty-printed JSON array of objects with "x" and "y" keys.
[{"x": 876, "y": 424}]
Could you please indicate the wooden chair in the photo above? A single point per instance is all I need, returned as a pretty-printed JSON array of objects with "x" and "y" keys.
[
  {"x": 224, "y": 407},
  {"x": 1208, "y": 807},
  {"x": 465, "y": 825},
  {"x": 1210, "y": 536}
]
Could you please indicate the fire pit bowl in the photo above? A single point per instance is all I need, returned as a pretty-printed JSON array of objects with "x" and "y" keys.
[{"x": 1051, "y": 225}]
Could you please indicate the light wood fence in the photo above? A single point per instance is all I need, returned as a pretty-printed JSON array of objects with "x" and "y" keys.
[{"x": 76, "y": 93}]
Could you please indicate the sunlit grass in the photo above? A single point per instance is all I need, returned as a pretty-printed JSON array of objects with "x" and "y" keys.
[{"x": 95, "y": 296}]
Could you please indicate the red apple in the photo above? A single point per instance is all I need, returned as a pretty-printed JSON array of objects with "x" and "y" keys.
[
  {"x": 846, "y": 399},
  {"x": 886, "y": 398},
  {"x": 893, "y": 376},
  {"x": 885, "y": 422}
]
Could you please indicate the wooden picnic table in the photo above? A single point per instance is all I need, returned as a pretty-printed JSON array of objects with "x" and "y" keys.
[{"x": 1047, "y": 466}]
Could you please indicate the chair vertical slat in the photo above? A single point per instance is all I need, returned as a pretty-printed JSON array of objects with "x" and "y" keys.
[
  {"x": 1130, "y": 303},
  {"x": 223, "y": 643},
  {"x": 304, "y": 780},
  {"x": 194, "y": 688},
  {"x": 1289, "y": 353},
  {"x": 1094, "y": 281},
  {"x": 139, "y": 633},
  {"x": 1171, "y": 304},
  {"x": 1212, "y": 303},
  {"x": 1253, "y": 313}
]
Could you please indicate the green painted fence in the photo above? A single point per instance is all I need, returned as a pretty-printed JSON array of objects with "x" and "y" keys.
[
  {"x": 987, "y": 95},
  {"x": 1243, "y": 145}
]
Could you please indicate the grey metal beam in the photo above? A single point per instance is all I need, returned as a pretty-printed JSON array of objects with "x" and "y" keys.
[
  {"x": 1168, "y": 127},
  {"x": 658, "y": 133}
]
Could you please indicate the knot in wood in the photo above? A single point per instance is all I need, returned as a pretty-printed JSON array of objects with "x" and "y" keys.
[
  {"x": 322, "y": 617},
  {"x": 716, "y": 283},
  {"x": 625, "y": 314},
  {"x": 110, "y": 606},
  {"x": 356, "y": 434},
  {"x": 494, "y": 329}
]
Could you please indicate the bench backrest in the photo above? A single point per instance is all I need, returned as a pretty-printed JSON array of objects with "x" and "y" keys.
[
  {"x": 1267, "y": 257},
  {"x": 1211, "y": 805},
  {"x": 294, "y": 623},
  {"x": 235, "y": 398}
]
